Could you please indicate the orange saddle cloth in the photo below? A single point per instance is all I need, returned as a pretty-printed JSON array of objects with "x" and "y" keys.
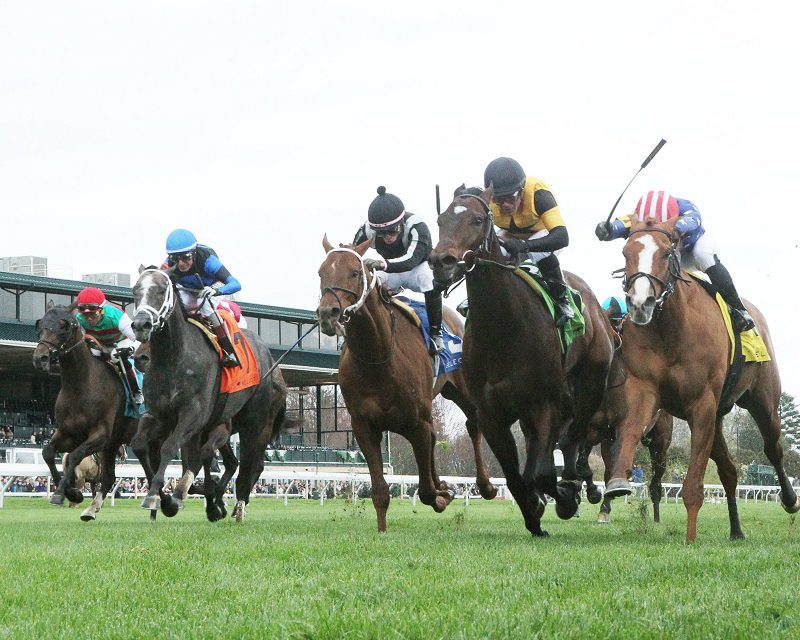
[{"x": 234, "y": 379}]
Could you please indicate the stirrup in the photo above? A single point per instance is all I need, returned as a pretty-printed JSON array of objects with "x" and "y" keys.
[
  {"x": 229, "y": 360},
  {"x": 741, "y": 320},
  {"x": 463, "y": 307},
  {"x": 436, "y": 345},
  {"x": 564, "y": 312}
]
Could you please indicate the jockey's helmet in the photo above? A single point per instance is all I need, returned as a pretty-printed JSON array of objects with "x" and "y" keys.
[
  {"x": 386, "y": 213},
  {"x": 180, "y": 241},
  {"x": 506, "y": 174},
  {"x": 657, "y": 204},
  {"x": 616, "y": 307},
  {"x": 91, "y": 300}
]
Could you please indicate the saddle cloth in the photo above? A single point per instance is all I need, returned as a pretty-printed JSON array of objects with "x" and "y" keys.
[
  {"x": 753, "y": 346},
  {"x": 573, "y": 329},
  {"x": 112, "y": 359},
  {"x": 233, "y": 379},
  {"x": 451, "y": 358}
]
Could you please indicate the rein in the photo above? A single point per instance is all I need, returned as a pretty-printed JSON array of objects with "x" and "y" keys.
[
  {"x": 366, "y": 288},
  {"x": 673, "y": 271},
  {"x": 56, "y": 352}
]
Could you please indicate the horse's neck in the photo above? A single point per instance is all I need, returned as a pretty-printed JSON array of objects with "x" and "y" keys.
[
  {"x": 676, "y": 316},
  {"x": 369, "y": 331},
  {"x": 167, "y": 342},
  {"x": 74, "y": 366}
]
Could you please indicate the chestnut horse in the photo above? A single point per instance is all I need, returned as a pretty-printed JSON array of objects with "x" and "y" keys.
[
  {"x": 90, "y": 407},
  {"x": 513, "y": 361},
  {"x": 677, "y": 354},
  {"x": 185, "y": 406},
  {"x": 386, "y": 376},
  {"x": 602, "y": 431}
]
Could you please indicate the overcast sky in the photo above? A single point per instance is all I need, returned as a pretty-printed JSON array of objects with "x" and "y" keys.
[{"x": 261, "y": 126}]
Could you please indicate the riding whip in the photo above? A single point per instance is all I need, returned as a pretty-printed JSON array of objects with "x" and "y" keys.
[
  {"x": 644, "y": 164},
  {"x": 438, "y": 202}
]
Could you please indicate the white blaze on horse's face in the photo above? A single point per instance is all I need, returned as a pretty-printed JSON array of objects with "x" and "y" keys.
[
  {"x": 642, "y": 289},
  {"x": 459, "y": 209},
  {"x": 149, "y": 286}
]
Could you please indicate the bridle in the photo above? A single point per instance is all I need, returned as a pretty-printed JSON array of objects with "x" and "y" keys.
[
  {"x": 673, "y": 271},
  {"x": 56, "y": 352},
  {"x": 360, "y": 298},
  {"x": 158, "y": 316}
]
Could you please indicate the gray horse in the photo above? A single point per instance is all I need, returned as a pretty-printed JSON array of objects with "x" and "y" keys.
[{"x": 183, "y": 398}]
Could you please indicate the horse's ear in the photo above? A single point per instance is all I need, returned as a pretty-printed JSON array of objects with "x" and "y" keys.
[
  {"x": 362, "y": 248},
  {"x": 325, "y": 244},
  {"x": 50, "y": 305},
  {"x": 141, "y": 268},
  {"x": 488, "y": 194}
]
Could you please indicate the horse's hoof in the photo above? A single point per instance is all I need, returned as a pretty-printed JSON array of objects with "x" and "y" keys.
[
  {"x": 618, "y": 487},
  {"x": 153, "y": 515},
  {"x": 88, "y": 516},
  {"x": 593, "y": 494},
  {"x": 151, "y": 503},
  {"x": 569, "y": 499},
  {"x": 603, "y": 518},
  {"x": 794, "y": 508},
  {"x": 541, "y": 533},
  {"x": 238, "y": 511},
  {"x": 214, "y": 514},
  {"x": 488, "y": 492},
  {"x": 73, "y": 495},
  {"x": 440, "y": 504},
  {"x": 57, "y": 499},
  {"x": 737, "y": 535},
  {"x": 170, "y": 506}
]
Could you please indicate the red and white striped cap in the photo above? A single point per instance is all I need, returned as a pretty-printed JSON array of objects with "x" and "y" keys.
[{"x": 657, "y": 204}]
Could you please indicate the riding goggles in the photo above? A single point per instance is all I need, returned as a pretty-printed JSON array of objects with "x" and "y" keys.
[
  {"x": 507, "y": 198},
  {"x": 181, "y": 257},
  {"x": 388, "y": 231},
  {"x": 89, "y": 309}
]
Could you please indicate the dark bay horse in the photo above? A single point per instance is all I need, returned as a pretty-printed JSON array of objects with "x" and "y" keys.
[
  {"x": 677, "y": 354},
  {"x": 185, "y": 405},
  {"x": 386, "y": 376},
  {"x": 513, "y": 361},
  {"x": 89, "y": 409}
]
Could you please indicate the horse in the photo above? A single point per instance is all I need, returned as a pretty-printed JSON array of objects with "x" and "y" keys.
[
  {"x": 185, "y": 405},
  {"x": 89, "y": 409},
  {"x": 386, "y": 376},
  {"x": 677, "y": 354},
  {"x": 90, "y": 471},
  {"x": 514, "y": 364},
  {"x": 602, "y": 431}
]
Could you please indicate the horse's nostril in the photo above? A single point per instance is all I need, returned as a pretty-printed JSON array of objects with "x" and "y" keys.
[{"x": 335, "y": 312}]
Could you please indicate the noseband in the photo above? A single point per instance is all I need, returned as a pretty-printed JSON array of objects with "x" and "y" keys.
[
  {"x": 673, "y": 271},
  {"x": 158, "y": 316},
  {"x": 56, "y": 352},
  {"x": 366, "y": 287}
]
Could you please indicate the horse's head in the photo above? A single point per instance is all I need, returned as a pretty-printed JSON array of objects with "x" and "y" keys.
[
  {"x": 141, "y": 357},
  {"x": 652, "y": 264},
  {"x": 465, "y": 228},
  {"x": 344, "y": 283},
  {"x": 154, "y": 300},
  {"x": 59, "y": 332}
]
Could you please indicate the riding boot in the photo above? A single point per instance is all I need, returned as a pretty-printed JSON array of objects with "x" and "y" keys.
[
  {"x": 133, "y": 383},
  {"x": 551, "y": 270},
  {"x": 229, "y": 358},
  {"x": 721, "y": 278},
  {"x": 433, "y": 305}
]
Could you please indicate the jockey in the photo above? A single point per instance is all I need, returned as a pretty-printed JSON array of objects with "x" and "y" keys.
[
  {"x": 111, "y": 327},
  {"x": 697, "y": 251},
  {"x": 403, "y": 241},
  {"x": 198, "y": 270},
  {"x": 616, "y": 310},
  {"x": 530, "y": 221}
]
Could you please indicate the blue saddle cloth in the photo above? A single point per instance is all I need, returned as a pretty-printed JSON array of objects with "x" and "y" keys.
[
  {"x": 131, "y": 410},
  {"x": 451, "y": 358}
]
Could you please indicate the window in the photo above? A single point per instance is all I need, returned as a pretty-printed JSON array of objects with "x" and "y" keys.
[
  {"x": 31, "y": 305},
  {"x": 289, "y": 333},
  {"x": 311, "y": 341},
  {"x": 270, "y": 331},
  {"x": 8, "y": 305}
]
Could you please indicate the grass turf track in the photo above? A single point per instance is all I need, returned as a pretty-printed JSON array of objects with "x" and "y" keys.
[{"x": 306, "y": 571}]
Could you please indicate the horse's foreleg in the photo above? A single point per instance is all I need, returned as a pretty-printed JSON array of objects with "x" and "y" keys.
[
  {"x": 604, "y": 515},
  {"x": 217, "y": 439},
  {"x": 504, "y": 448},
  {"x": 369, "y": 441},
  {"x": 94, "y": 443},
  {"x": 57, "y": 444},
  {"x": 702, "y": 420},
  {"x": 642, "y": 402}
]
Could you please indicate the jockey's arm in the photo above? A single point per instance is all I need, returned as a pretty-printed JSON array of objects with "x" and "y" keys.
[
  {"x": 556, "y": 238},
  {"x": 419, "y": 248},
  {"x": 215, "y": 269},
  {"x": 361, "y": 235}
]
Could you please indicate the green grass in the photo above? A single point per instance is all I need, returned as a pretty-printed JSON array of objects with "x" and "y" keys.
[{"x": 306, "y": 571}]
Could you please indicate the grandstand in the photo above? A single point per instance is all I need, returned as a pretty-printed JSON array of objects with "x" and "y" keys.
[{"x": 27, "y": 397}]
